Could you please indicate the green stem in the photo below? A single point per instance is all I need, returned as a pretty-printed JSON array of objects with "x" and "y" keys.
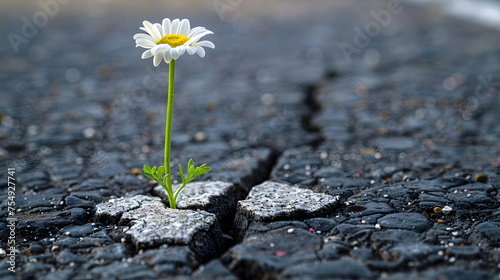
[{"x": 168, "y": 132}]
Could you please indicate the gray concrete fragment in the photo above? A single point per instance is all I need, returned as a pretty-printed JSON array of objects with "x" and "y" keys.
[
  {"x": 152, "y": 224},
  {"x": 110, "y": 212},
  {"x": 215, "y": 197},
  {"x": 272, "y": 201}
]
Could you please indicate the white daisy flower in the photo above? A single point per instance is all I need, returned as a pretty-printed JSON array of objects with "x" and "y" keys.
[{"x": 171, "y": 39}]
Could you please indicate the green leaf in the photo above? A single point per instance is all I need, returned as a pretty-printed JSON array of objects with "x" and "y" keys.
[
  {"x": 190, "y": 164},
  {"x": 182, "y": 174},
  {"x": 153, "y": 171},
  {"x": 147, "y": 171},
  {"x": 160, "y": 171},
  {"x": 157, "y": 174},
  {"x": 180, "y": 171},
  {"x": 201, "y": 170},
  {"x": 191, "y": 171}
]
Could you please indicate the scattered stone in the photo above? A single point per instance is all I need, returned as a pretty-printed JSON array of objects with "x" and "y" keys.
[
  {"x": 489, "y": 231},
  {"x": 37, "y": 224},
  {"x": 265, "y": 227},
  {"x": 135, "y": 171},
  {"x": 267, "y": 254},
  {"x": 269, "y": 201},
  {"x": 181, "y": 257},
  {"x": 446, "y": 210},
  {"x": 65, "y": 274},
  {"x": 36, "y": 249},
  {"x": 79, "y": 231},
  {"x": 482, "y": 178},
  {"x": 72, "y": 201},
  {"x": 122, "y": 270},
  {"x": 345, "y": 268},
  {"x": 214, "y": 270},
  {"x": 464, "y": 252},
  {"x": 461, "y": 274},
  {"x": 113, "y": 252},
  {"x": 200, "y": 136},
  {"x": 321, "y": 225},
  {"x": 152, "y": 224},
  {"x": 412, "y": 221},
  {"x": 66, "y": 258}
]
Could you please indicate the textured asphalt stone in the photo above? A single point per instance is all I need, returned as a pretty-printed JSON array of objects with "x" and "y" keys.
[
  {"x": 214, "y": 270},
  {"x": 272, "y": 201},
  {"x": 266, "y": 254},
  {"x": 152, "y": 224},
  {"x": 411, "y": 221},
  {"x": 345, "y": 268}
]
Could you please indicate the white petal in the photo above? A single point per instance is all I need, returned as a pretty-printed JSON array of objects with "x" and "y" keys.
[
  {"x": 184, "y": 27},
  {"x": 146, "y": 54},
  {"x": 195, "y": 30},
  {"x": 175, "y": 26},
  {"x": 197, "y": 37},
  {"x": 152, "y": 30},
  {"x": 198, "y": 31},
  {"x": 142, "y": 36},
  {"x": 166, "y": 26},
  {"x": 200, "y": 51},
  {"x": 207, "y": 44},
  {"x": 190, "y": 50},
  {"x": 167, "y": 57},
  {"x": 174, "y": 54},
  {"x": 160, "y": 28},
  {"x": 160, "y": 49},
  {"x": 154, "y": 50},
  {"x": 145, "y": 43},
  {"x": 181, "y": 50},
  {"x": 157, "y": 59}
]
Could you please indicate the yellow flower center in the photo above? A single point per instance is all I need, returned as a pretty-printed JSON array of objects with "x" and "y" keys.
[{"x": 173, "y": 40}]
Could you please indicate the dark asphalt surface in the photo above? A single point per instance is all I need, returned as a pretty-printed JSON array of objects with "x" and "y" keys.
[{"x": 390, "y": 108}]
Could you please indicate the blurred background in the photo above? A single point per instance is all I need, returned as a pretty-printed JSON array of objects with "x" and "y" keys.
[{"x": 283, "y": 74}]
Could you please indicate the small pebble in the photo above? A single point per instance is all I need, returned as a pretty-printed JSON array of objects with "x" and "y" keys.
[
  {"x": 437, "y": 210},
  {"x": 440, "y": 221},
  {"x": 482, "y": 178},
  {"x": 135, "y": 171},
  {"x": 200, "y": 136},
  {"x": 280, "y": 253},
  {"x": 290, "y": 230},
  {"x": 446, "y": 210},
  {"x": 2, "y": 253}
]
